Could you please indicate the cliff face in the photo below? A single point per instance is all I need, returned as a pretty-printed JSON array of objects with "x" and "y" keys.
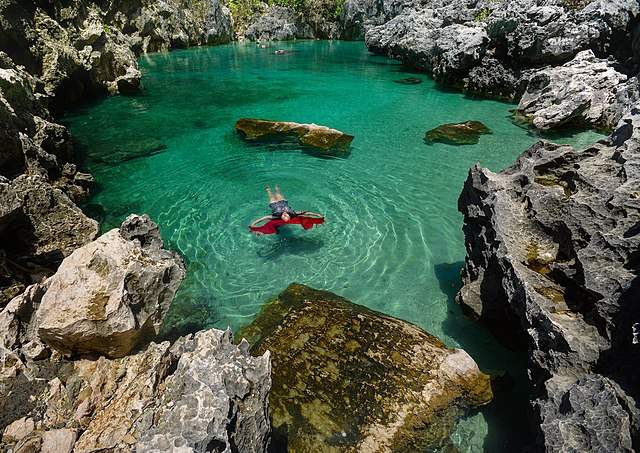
[
  {"x": 493, "y": 48},
  {"x": 52, "y": 55},
  {"x": 552, "y": 259}
]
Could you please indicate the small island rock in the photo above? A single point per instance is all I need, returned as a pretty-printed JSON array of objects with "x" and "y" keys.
[
  {"x": 350, "y": 379},
  {"x": 318, "y": 138},
  {"x": 467, "y": 133}
]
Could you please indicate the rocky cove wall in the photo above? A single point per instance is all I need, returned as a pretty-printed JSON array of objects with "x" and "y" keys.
[{"x": 566, "y": 64}]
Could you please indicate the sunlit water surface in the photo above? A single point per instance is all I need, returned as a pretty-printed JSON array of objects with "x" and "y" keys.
[{"x": 393, "y": 238}]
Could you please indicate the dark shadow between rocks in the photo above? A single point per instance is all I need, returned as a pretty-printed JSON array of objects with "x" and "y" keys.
[
  {"x": 506, "y": 415},
  {"x": 187, "y": 315}
]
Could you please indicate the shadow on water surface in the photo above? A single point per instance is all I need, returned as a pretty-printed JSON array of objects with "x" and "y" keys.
[
  {"x": 287, "y": 243},
  {"x": 508, "y": 428}
]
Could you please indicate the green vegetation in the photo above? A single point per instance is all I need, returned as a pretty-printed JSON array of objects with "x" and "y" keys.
[
  {"x": 317, "y": 11},
  {"x": 482, "y": 15},
  {"x": 243, "y": 11},
  {"x": 575, "y": 5}
]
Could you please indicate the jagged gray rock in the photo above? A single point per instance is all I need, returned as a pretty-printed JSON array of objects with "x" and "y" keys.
[
  {"x": 203, "y": 393},
  {"x": 277, "y": 23},
  {"x": 585, "y": 91},
  {"x": 510, "y": 36},
  {"x": 111, "y": 294},
  {"x": 552, "y": 259}
]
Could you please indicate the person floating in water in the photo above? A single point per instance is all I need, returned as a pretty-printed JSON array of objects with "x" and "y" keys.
[{"x": 282, "y": 214}]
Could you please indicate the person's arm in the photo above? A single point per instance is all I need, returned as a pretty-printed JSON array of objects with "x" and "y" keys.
[
  {"x": 309, "y": 213},
  {"x": 261, "y": 219}
]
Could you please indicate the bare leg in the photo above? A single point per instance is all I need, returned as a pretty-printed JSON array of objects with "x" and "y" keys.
[
  {"x": 270, "y": 194},
  {"x": 278, "y": 193}
]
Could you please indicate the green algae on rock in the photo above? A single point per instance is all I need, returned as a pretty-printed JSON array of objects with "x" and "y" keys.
[
  {"x": 346, "y": 378},
  {"x": 467, "y": 133},
  {"x": 318, "y": 138}
]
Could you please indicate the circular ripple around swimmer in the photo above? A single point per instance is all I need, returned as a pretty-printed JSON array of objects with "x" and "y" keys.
[{"x": 359, "y": 238}]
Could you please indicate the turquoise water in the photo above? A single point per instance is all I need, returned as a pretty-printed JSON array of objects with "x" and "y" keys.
[{"x": 393, "y": 238}]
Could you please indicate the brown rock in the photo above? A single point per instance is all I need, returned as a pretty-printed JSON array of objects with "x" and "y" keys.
[
  {"x": 318, "y": 138},
  {"x": 467, "y": 133},
  {"x": 346, "y": 378}
]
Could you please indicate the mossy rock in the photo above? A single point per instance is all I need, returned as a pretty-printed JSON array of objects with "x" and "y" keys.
[
  {"x": 319, "y": 138},
  {"x": 346, "y": 378},
  {"x": 467, "y": 133}
]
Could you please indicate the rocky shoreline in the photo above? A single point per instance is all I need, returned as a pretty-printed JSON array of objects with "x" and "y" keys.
[{"x": 552, "y": 241}]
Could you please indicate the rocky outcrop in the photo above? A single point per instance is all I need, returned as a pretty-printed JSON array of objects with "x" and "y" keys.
[
  {"x": 467, "y": 133},
  {"x": 586, "y": 91},
  {"x": 127, "y": 284},
  {"x": 201, "y": 393},
  {"x": 277, "y": 23},
  {"x": 485, "y": 46},
  {"x": 552, "y": 260},
  {"x": 86, "y": 47},
  {"x": 318, "y": 138},
  {"x": 346, "y": 378}
]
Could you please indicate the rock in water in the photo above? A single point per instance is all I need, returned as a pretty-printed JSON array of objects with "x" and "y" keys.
[
  {"x": 351, "y": 379},
  {"x": 467, "y": 133},
  {"x": 552, "y": 255},
  {"x": 319, "y": 138},
  {"x": 112, "y": 293}
]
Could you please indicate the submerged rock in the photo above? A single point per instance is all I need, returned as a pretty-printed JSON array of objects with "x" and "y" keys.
[
  {"x": 552, "y": 261},
  {"x": 318, "y": 138},
  {"x": 409, "y": 81},
  {"x": 112, "y": 293},
  {"x": 585, "y": 92},
  {"x": 467, "y": 133},
  {"x": 346, "y": 378}
]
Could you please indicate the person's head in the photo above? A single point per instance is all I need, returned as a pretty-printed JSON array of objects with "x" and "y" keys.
[{"x": 285, "y": 216}]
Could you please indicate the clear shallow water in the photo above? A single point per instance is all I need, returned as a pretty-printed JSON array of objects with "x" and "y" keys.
[{"x": 393, "y": 238}]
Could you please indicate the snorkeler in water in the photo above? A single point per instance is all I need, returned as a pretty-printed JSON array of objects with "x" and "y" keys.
[{"x": 282, "y": 214}]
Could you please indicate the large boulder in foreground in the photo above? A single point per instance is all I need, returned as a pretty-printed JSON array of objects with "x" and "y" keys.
[
  {"x": 319, "y": 138},
  {"x": 553, "y": 260},
  {"x": 467, "y": 133},
  {"x": 587, "y": 91},
  {"x": 346, "y": 378},
  {"x": 112, "y": 293}
]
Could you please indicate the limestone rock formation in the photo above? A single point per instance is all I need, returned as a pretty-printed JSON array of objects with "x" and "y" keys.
[
  {"x": 467, "y": 133},
  {"x": 200, "y": 394},
  {"x": 552, "y": 260},
  {"x": 277, "y": 23},
  {"x": 319, "y": 138},
  {"x": 112, "y": 293},
  {"x": 484, "y": 46},
  {"x": 86, "y": 46},
  {"x": 584, "y": 91},
  {"x": 346, "y": 378}
]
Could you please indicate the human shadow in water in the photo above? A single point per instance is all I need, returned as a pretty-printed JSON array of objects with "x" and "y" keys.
[
  {"x": 508, "y": 429},
  {"x": 287, "y": 243}
]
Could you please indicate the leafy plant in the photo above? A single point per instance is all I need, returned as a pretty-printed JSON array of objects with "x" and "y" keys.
[{"x": 482, "y": 15}]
